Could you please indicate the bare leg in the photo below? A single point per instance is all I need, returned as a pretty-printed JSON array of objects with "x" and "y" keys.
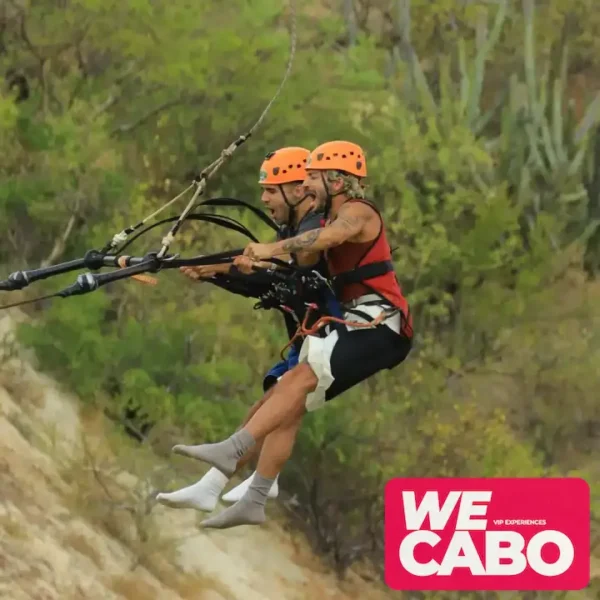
[
  {"x": 286, "y": 403},
  {"x": 255, "y": 451},
  {"x": 237, "y": 492},
  {"x": 204, "y": 494},
  {"x": 277, "y": 449},
  {"x": 250, "y": 509}
]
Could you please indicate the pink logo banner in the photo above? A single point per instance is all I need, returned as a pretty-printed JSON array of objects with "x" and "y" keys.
[{"x": 487, "y": 534}]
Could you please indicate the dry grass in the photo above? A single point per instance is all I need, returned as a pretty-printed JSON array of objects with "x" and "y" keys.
[
  {"x": 133, "y": 587},
  {"x": 13, "y": 528},
  {"x": 23, "y": 426},
  {"x": 82, "y": 544},
  {"x": 111, "y": 486},
  {"x": 24, "y": 390},
  {"x": 188, "y": 586}
]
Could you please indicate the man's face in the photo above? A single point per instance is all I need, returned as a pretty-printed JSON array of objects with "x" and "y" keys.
[
  {"x": 313, "y": 185},
  {"x": 272, "y": 198}
]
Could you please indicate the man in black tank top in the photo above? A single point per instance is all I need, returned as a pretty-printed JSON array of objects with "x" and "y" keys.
[{"x": 281, "y": 176}]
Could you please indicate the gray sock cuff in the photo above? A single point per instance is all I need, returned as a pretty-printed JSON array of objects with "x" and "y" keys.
[
  {"x": 246, "y": 437},
  {"x": 259, "y": 489},
  {"x": 261, "y": 483},
  {"x": 242, "y": 441}
]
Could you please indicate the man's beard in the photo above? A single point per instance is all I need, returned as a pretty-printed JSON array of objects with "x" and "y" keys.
[{"x": 319, "y": 199}]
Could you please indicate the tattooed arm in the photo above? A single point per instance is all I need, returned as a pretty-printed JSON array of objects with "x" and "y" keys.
[{"x": 348, "y": 224}]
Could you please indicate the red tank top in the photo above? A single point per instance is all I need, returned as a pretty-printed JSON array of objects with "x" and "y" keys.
[{"x": 350, "y": 255}]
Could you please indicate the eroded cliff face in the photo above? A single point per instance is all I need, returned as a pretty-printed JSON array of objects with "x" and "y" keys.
[{"x": 76, "y": 520}]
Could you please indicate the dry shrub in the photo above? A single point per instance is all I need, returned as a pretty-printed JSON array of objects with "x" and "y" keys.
[{"x": 118, "y": 499}]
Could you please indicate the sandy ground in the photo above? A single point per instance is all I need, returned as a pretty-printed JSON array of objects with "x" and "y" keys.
[{"x": 59, "y": 538}]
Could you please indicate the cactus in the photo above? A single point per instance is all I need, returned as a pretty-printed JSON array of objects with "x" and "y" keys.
[
  {"x": 540, "y": 150},
  {"x": 485, "y": 46}
]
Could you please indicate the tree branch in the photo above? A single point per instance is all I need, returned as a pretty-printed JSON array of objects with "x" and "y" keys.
[
  {"x": 81, "y": 63},
  {"x": 61, "y": 242},
  {"x": 127, "y": 127}
]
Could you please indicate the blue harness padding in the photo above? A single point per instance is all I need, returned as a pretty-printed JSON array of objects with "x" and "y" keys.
[
  {"x": 334, "y": 309},
  {"x": 278, "y": 369},
  {"x": 332, "y": 304}
]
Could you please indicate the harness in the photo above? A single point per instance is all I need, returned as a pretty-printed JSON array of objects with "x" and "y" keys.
[
  {"x": 361, "y": 274},
  {"x": 311, "y": 296}
]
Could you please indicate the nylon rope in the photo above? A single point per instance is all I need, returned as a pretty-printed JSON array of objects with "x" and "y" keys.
[
  {"x": 199, "y": 182},
  {"x": 211, "y": 169}
]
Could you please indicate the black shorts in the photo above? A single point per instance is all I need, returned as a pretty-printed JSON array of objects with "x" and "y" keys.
[
  {"x": 362, "y": 353},
  {"x": 345, "y": 358}
]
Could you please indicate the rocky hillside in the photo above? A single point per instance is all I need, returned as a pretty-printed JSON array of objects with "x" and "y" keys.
[{"x": 77, "y": 520}]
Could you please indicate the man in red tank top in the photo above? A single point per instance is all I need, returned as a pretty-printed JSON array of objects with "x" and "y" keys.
[{"x": 377, "y": 334}]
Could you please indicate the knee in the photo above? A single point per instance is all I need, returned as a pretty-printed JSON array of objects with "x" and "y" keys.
[
  {"x": 304, "y": 377},
  {"x": 301, "y": 378}
]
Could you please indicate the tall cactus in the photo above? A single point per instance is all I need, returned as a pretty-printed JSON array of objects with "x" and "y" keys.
[
  {"x": 545, "y": 152},
  {"x": 540, "y": 149}
]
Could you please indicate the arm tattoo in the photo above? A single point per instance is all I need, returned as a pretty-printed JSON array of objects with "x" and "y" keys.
[
  {"x": 352, "y": 224},
  {"x": 301, "y": 242},
  {"x": 343, "y": 228}
]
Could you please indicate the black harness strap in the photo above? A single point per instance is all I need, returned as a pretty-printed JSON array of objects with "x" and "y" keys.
[
  {"x": 239, "y": 286},
  {"x": 361, "y": 314},
  {"x": 359, "y": 274}
]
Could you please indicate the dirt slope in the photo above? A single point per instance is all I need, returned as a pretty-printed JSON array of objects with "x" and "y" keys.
[{"x": 74, "y": 526}]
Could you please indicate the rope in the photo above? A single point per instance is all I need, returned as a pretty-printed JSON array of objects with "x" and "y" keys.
[
  {"x": 199, "y": 182},
  {"x": 209, "y": 171},
  {"x": 222, "y": 220},
  {"x": 122, "y": 236},
  {"x": 146, "y": 279},
  {"x": 23, "y": 302},
  {"x": 303, "y": 331}
]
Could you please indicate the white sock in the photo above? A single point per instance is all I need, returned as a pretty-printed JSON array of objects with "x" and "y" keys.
[
  {"x": 237, "y": 492},
  {"x": 202, "y": 495}
]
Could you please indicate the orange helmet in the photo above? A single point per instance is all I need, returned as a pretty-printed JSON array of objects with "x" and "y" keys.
[
  {"x": 339, "y": 156},
  {"x": 284, "y": 166}
]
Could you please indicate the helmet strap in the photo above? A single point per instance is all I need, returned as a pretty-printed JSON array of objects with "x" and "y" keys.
[
  {"x": 330, "y": 196},
  {"x": 292, "y": 207}
]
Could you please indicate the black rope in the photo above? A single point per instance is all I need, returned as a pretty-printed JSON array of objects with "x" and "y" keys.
[
  {"x": 93, "y": 260},
  {"x": 209, "y": 171},
  {"x": 224, "y": 221},
  {"x": 88, "y": 282},
  {"x": 23, "y": 302},
  {"x": 226, "y": 201}
]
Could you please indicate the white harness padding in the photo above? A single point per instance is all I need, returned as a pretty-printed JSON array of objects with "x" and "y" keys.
[{"x": 317, "y": 351}]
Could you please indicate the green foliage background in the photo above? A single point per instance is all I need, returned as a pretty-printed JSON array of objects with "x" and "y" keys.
[{"x": 480, "y": 120}]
